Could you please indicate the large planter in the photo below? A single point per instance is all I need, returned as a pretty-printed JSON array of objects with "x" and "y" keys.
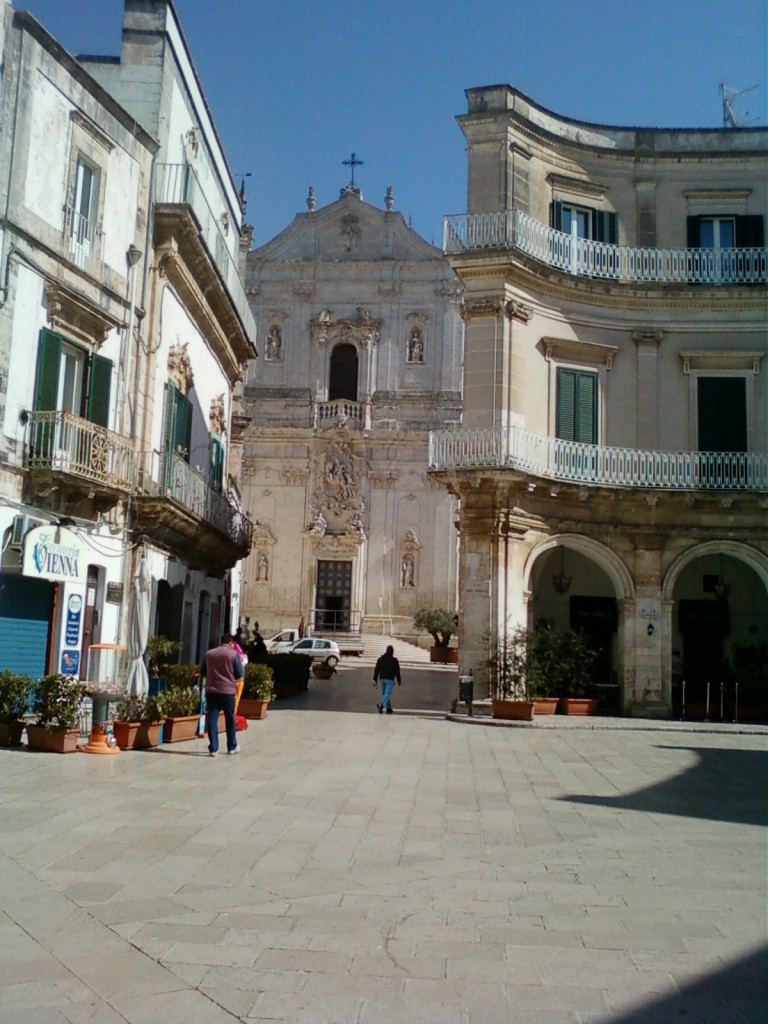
[
  {"x": 10, "y": 734},
  {"x": 137, "y": 735},
  {"x": 513, "y": 710},
  {"x": 322, "y": 671},
  {"x": 546, "y": 705},
  {"x": 577, "y": 705},
  {"x": 253, "y": 708},
  {"x": 444, "y": 655},
  {"x": 52, "y": 741},
  {"x": 183, "y": 728}
]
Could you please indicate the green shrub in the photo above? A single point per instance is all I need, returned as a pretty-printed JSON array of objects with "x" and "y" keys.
[
  {"x": 259, "y": 682},
  {"x": 139, "y": 708},
  {"x": 57, "y": 700},
  {"x": 15, "y": 691},
  {"x": 181, "y": 675},
  {"x": 178, "y": 702},
  {"x": 526, "y": 664},
  {"x": 161, "y": 652},
  {"x": 290, "y": 673}
]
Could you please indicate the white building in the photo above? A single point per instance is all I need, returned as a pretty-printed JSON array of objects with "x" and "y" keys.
[
  {"x": 612, "y": 467},
  {"x": 123, "y": 330},
  {"x": 362, "y": 348}
]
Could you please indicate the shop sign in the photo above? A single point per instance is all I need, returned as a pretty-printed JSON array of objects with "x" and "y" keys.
[
  {"x": 54, "y": 553},
  {"x": 70, "y": 662},
  {"x": 74, "y": 607}
]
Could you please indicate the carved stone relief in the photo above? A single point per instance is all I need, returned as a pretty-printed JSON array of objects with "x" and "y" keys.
[
  {"x": 409, "y": 550},
  {"x": 364, "y": 331},
  {"x": 180, "y": 368},
  {"x": 350, "y": 231},
  {"x": 263, "y": 541},
  {"x": 218, "y": 415}
]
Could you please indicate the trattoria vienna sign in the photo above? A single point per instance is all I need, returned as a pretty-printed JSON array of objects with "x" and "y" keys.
[{"x": 54, "y": 553}]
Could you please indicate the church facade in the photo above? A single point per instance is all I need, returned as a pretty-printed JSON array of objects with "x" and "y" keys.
[
  {"x": 612, "y": 464},
  {"x": 361, "y": 356}
]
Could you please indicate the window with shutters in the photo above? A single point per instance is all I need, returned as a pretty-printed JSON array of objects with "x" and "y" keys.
[
  {"x": 721, "y": 414},
  {"x": 70, "y": 379},
  {"x": 177, "y": 422},
  {"x": 584, "y": 221},
  {"x": 216, "y": 471},
  {"x": 576, "y": 405}
]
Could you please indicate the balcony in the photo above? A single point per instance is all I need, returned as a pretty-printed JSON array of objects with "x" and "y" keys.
[
  {"x": 595, "y": 465},
  {"x": 182, "y": 512},
  {"x": 512, "y": 229},
  {"x": 342, "y": 412},
  {"x": 78, "y": 459},
  {"x": 178, "y": 185},
  {"x": 83, "y": 240}
]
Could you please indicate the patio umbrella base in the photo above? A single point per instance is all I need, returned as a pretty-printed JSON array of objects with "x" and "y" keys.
[{"x": 99, "y": 742}]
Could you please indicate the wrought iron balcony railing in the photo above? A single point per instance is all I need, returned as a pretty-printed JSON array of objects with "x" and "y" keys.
[
  {"x": 175, "y": 478},
  {"x": 512, "y": 229},
  {"x": 83, "y": 239},
  {"x": 60, "y": 442},
  {"x": 571, "y": 462},
  {"x": 178, "y": 184}
]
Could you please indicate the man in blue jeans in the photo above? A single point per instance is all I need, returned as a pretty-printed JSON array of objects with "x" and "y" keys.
[
  {"x": 388, "y": 670},
  {"x": 221, "y": 670}
]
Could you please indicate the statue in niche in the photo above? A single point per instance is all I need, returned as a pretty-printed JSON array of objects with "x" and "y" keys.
[
  {"x": 416, "y": 346},
  {"x": 262, "y": 568},
  {"x": 407, "y": 570},
  {"x": 318, "y": 526},
  {"x": 274, "y": 343}
]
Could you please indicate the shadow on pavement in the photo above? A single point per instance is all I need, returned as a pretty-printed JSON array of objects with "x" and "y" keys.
[
  {"x": 725, "y": 785},
  {"x": 738, "y": 994}
]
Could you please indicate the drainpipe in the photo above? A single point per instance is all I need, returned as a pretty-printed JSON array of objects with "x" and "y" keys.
[{"x": 123, "y": 390}]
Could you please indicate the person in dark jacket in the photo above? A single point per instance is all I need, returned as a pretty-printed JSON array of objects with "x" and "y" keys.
[
  {"x": 387, "y": 670},
  {"x": 221, "y": 670}
]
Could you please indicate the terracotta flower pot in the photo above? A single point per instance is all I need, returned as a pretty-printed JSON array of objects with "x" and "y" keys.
[
  {"x": 182, "y": 728},
  {"x": 546, "y": 705},
  {"x": 137, "y": 735},
  {"x": 517, "y": 710},
  {"x": 10, "y": 734},
  {"x": 52, "y": 741},
  {"x": 444, "y": 655},
  {"x": 577, "y": 705},
  {"x": 253, "y": 708}
]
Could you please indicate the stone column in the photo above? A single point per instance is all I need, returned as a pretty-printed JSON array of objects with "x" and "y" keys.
[
  {"x": 647, "y": 341},
  {"x": 651, "y": 698},
  {"x": 477, "y": 598}
]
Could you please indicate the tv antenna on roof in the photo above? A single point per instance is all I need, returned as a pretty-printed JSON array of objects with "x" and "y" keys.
[{"x": 730, "y": 118}]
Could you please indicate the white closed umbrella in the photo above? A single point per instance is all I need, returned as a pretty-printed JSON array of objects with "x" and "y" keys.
[{"x": 138, "y": 630}]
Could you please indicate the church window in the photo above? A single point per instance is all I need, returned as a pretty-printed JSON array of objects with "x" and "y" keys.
[{"x": 343, "y": 375}]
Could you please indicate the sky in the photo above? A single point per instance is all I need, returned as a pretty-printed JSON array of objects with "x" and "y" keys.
[{"x": 297, "y": 86}]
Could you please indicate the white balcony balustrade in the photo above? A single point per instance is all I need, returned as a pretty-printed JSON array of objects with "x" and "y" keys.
[
  {"x": 171, "y": 475},
  {"x": 63, "y": 443},
  {"x": 570, "y": 462},
  {"x": 177, "y": 184},
  {"x": 513, "y": 229},
  {"x": 342, "y": 412}
]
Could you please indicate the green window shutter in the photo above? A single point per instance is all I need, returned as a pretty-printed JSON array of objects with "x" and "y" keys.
[
  {"x": 722, "y": 414},
  {"x": 169, "y": 415},
  {"x": 566, "y": 404},
  {"x": 48, "y": 358},
  {"x": 557, "y": 215},
  {"x": 749, "y": 232},
  {"x": 182, "y": 432},
  {"x": 99, "y": 384},
  {"x": 605, "y": 226},
  {"x": 693, "y": 232},
  {"x": 217, "y": 465},
  {"x": 576, "y": 418}
]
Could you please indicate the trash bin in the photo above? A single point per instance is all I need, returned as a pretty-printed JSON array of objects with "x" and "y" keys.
[{"x": 467, "y": 691}]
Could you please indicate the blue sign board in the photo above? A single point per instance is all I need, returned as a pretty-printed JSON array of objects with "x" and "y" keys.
[
  {"x": 70, "y": 662},
  {"x": 74, "y": 608}
]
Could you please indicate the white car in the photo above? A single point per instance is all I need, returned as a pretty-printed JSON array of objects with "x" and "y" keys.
[
  {"x": 318, "y": 649},
  {"x": 282, "y": 641}
]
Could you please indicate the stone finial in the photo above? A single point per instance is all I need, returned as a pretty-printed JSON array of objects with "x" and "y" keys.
[
  {"x": 311, "y": 199},
  {"x": 389, "y": 199}
]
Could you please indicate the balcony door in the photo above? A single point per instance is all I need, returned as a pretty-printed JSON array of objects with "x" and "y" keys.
[
  {"x": 343, "y": 375},
  {"x": 722, "y": 414}
]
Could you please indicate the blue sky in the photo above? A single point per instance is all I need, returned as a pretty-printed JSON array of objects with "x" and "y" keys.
[{"x": 296, "y": 85}]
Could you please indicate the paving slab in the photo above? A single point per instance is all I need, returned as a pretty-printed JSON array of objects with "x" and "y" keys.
[{"x": 350, "y": 868}]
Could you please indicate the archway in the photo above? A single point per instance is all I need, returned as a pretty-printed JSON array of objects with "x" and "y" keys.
[{"x": 718, "y": 595}]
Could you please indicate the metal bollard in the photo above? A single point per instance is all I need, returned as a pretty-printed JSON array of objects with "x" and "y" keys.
[{"x": 467, "y": 691}]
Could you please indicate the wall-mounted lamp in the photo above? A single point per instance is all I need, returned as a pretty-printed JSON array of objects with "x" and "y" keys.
[
  {"x": 721, "y": 588},
  {"x": 560, "y": 581},
  {"x": 650, "y": 630}
]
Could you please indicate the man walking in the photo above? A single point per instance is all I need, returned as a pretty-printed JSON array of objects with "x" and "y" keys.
[
  {"x": 388, "y": 670},
  {"x": 222, "y": 670}
]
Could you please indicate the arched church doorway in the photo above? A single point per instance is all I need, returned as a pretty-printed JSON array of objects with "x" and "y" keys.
[
  {"x": 343, "y": 375},
  {"x": 570, "y": 591},
  {"x": 720, "y": 639}
]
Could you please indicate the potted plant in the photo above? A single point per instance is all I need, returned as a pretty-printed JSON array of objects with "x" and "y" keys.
[
  {"x": 138, "y": 721},
  {"x": 15, "y": 691},
  {"x": 180, "y": 708},
  {"x": 258, "y": 690},
  {"x": 541, "y": 669},
  {"x": 508, "y": 670},
  {"x": 161, "y": 652},
  {"x": 442, "y": 624},
  {"x": 57, "y": 702},
  {"x": 322, "y": 670},
  {"x": 571, "y": 657}
]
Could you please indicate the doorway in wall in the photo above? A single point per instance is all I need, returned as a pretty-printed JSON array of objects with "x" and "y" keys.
[{"x": 333, "y": 596}]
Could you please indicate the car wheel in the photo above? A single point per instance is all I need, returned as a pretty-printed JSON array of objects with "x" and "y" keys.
[{"x": 332, "y": 660}]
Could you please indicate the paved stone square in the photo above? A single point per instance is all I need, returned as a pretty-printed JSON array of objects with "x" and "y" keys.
[{"x": 351, "y": 868}]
